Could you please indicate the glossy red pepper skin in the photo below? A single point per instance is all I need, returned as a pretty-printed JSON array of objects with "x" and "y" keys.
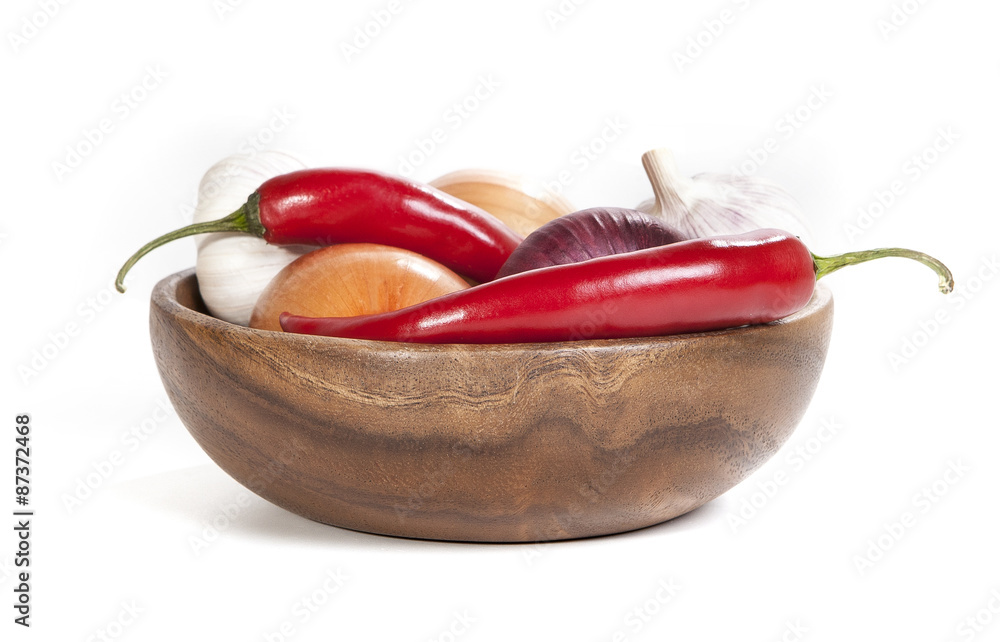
[
  {"x": 333, "y": 205},
  {"x": 689, "y": 286}
]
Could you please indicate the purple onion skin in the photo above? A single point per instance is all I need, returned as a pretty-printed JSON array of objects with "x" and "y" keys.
[{"x": 588, "y": 234}]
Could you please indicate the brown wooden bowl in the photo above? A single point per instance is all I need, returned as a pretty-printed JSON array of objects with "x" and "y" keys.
[{"x": 489, "y": 443}]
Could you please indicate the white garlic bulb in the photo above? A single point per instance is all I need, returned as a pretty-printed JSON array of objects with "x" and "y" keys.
[
  {"x": 718, "y": 204},
  {"x": 234, "y": 268}
]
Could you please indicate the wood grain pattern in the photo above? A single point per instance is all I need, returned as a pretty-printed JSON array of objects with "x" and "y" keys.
[{"x": 497, "y": 443}]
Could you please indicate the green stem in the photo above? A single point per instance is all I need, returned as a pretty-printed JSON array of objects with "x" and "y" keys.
[
  {"x": 828, "y": 264},
  {"x": 246, "y": 219}
]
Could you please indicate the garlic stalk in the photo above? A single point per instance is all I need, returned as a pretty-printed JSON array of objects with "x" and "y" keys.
[
  {"x": 233, "y": 268},
  {"x": 717, "y": 204}
]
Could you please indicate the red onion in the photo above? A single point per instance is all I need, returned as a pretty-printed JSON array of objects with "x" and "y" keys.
[{"x": 589, "y": 234}]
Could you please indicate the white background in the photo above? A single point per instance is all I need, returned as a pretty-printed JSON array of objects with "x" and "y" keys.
[{"x": 790, "y": 571}]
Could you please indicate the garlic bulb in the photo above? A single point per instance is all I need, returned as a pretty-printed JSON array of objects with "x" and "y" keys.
[
  {"x": 233, "y": 268},
  {"x": 717, "y": 204}
]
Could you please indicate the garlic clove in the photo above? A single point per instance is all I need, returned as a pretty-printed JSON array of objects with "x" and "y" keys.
[
  {"x": 524, "y": 204},
  {"x": 232, "y": 268},
  {"x": 232, "y": 272},
  {"x": 710, "y": 204}
]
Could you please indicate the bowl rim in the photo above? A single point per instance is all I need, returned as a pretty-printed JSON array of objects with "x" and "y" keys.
[{"x": 164, "y": 297}]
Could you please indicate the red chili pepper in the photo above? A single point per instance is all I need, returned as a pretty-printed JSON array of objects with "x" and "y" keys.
[
  {"x": 327, "y": 206},
  {"x": 690, "y": 286}
]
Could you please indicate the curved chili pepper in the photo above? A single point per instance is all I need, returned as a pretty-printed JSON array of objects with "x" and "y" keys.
[
  {"x": 327, "y": 206},
  {"x": 689, "y": 286}
]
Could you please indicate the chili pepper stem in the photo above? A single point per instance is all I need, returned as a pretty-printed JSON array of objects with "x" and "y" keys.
[
  {"x": 246, "y": 219},
  {"x": 827, "y": 264}
]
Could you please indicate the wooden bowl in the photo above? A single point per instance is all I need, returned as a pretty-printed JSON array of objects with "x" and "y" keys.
[{"x": 488, "y": 443}]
